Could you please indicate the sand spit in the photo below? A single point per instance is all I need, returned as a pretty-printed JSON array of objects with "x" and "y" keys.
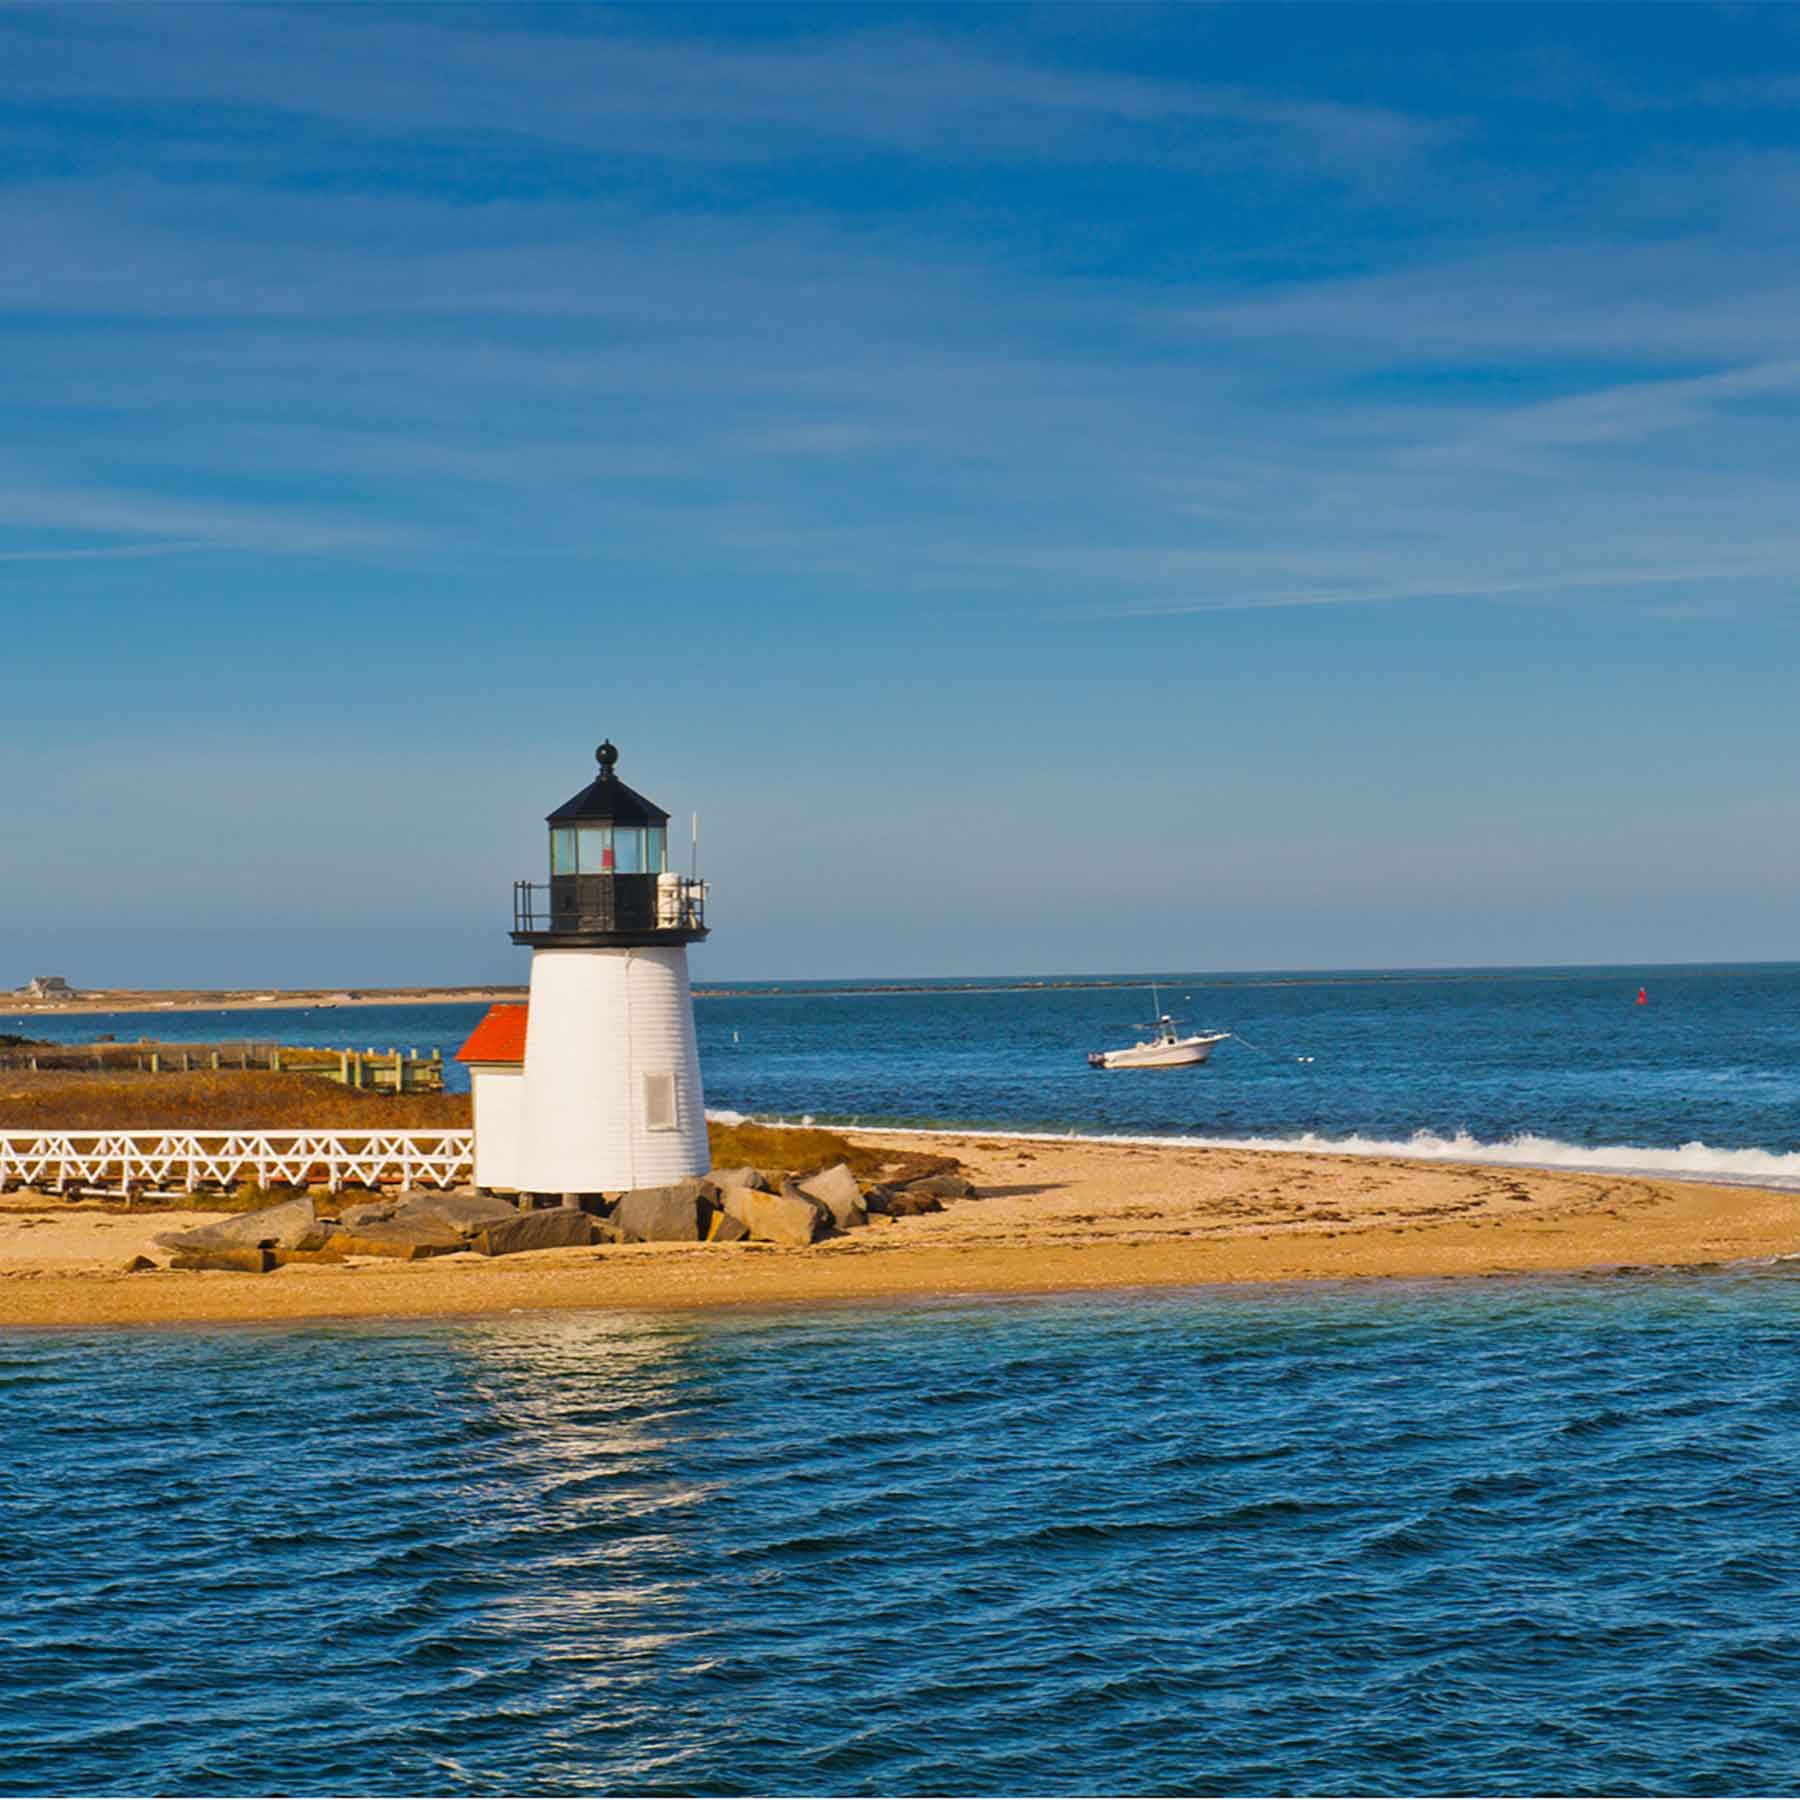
[{"x": 1056, "y": 1216}]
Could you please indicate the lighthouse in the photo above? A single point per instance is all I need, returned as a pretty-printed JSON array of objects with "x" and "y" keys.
[{"x": 608, "y": 1095}]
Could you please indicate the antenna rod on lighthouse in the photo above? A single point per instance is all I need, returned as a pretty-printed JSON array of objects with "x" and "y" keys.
[{"x": 694, "y": 859}]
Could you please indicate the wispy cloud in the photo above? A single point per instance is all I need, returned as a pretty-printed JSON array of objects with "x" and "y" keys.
[
  {"x": 681, "y": 96},
  {"x": 184, "y": 524},
  {"x": 1596, "y": 301},
  {"x": 1624, "y": 413},
  {"x": 1780, "y": 561},
  {"x": 108, "y": 552}
]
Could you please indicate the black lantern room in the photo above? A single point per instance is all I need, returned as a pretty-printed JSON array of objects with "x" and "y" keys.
[{"x": 610, "y": 883}]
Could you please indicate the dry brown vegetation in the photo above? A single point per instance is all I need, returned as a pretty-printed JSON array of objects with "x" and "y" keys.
[
  {"x": 211, "y": 1100},
  {"x": 782, "y": 1149}
]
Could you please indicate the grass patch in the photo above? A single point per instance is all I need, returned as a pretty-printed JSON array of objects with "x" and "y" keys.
[{"x": 211, "y": 1100}]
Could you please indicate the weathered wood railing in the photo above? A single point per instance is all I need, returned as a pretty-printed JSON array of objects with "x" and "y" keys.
[
  {"x": 135, "y": 1162},
  {"x": 403, "y": 1071}
]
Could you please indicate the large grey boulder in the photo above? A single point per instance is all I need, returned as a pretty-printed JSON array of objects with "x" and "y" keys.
[
  {"x": 368, "y": 1212},
  {"x": 238, "y": 1260},
  {"x": 556, "y": 1229},
  {"x": 467, "y": 1213},
  {"x": 785, "y": 1218},
  {"x": 406, "y": 1240},
  {"x": 908, "y": 1205},
  {"x": 943, "y": 1187},
  {"x": 677, "y": 1214},
  {"x": 745, "y": 1177},
  {"x": 288, "y": 1225},
  {"x": 837, "y": 1192}
]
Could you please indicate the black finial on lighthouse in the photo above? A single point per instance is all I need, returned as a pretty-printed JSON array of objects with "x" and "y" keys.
[{"x": 607, "y": 756}]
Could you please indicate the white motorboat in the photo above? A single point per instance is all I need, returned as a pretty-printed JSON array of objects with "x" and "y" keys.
[{"x": 1167, "y": 1049}]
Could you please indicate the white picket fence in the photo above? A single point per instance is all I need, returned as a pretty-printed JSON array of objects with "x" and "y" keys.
[{"x": 127, "y": 1162}]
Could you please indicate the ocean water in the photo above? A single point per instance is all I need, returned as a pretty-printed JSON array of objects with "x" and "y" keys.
[
  {"x": 1539, "y": 1066},
  {"x": 1531, "y": 1536},
  {"x": 1523, "y": 1065}
]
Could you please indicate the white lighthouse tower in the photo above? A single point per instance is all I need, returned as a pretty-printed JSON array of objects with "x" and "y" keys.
[{"x": 610, "y": 1095}]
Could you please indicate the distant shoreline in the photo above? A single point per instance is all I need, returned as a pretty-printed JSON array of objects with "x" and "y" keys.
[
  {"x": 189, "y": 1000},
  {"x": 186, "y": 1000},
  {"x": 181, "y": 1000}
]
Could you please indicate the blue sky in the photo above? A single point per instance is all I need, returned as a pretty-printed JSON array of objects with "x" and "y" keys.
[{"x": 1055, "y": 488}]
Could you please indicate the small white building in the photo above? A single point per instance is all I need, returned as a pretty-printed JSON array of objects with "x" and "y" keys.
[
  {"x": 603, "y": 1092},
  {"x": 495, "y": 1054},
  {"x": 47, "y": 987}
]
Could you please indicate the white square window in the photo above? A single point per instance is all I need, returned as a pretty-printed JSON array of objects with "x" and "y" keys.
[{"x": 659, "y": 1103}]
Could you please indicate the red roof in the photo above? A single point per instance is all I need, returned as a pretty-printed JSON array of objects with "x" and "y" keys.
[{"x": 500, "y": 1037}]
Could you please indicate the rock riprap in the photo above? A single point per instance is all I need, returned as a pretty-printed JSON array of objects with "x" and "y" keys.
[
  {"x": 943, "y": 1187},
  {"x": 417, "y": 1223},
  {"x": 680, "y": 1213},
  {"x": 288, "y": 1225},
  {"x": 730, "y": 1206},
  {"x": 785, "y": 1218},
  {"x": 558, "y": 1228},
  {"x": 462, "y": 1213},
  {"x": 743, "y": 1178},
  {"x": 405, "y": 1240},
  {"x": 836, "y": 1190}
]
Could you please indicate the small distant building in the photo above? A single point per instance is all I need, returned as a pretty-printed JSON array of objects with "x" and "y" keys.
[{"x": 48, "y": 987}]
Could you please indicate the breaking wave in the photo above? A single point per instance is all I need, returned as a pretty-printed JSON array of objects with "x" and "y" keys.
[{"x": 1686, "y": 1162}]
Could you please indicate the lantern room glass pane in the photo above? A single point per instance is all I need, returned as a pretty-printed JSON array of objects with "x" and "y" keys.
[
  {"x": 656, "y": 850},
  {"x": 628, "y": 850},
  {"x": 596, "y": 849},
  {"x": 562, "y": 850}
]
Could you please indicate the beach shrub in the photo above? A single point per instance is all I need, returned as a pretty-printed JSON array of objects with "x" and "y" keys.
[{"x": 805, "y": 1150}]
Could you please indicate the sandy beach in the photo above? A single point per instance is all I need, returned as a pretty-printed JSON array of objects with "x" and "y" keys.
[{"x": 1054, "y": 1216}]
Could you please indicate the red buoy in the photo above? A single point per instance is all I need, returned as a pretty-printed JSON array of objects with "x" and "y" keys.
[{"x": 1643, "y": 997}]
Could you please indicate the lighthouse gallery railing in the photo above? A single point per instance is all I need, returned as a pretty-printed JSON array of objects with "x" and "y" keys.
[
  {"x": 668, "y": 903},
  {"x": 128, "y": 1162}
]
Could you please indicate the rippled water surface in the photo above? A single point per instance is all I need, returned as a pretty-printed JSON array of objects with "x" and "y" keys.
[{"x": 1487, "y": 1537}]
